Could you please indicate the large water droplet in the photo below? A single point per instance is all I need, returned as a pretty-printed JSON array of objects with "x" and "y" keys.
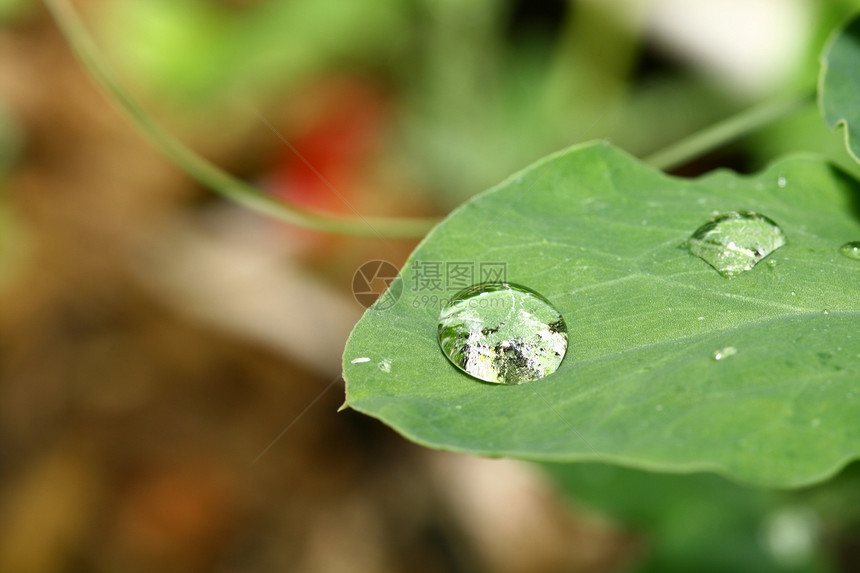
[
  {"x": 734, "y": 242},
  {"x": 502, "y": 333},
  {"x": 851, "y": 250}
]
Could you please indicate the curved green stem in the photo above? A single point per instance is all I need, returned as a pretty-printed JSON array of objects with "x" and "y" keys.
[
  {"x": 726, "y": 131},
  {"x": 207, "y": 173}
]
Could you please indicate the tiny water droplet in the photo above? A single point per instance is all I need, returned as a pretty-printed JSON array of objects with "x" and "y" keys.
[
  {"x": 781, "y": 182},
  {"x": 793, "y": 293},
  {"x": 659, "y": 407},
  {"x": 825, "y": 311},
  {"x": 816, "y": 422},
  {"x": 735, "y": 241},
  {"x": 502, "y": 333},
  {"x": 851, "y": 250},
  {"x": 359, "y": 360},
  {"x": 385, "y": 366},
  {"x": 724, "y": 352},
  {"x": 771, "y": 263}
]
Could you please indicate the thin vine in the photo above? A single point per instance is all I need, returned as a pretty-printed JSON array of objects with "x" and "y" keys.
[
  {"x": 205, "y": 172},
  {"x": 727, "y": 131}
]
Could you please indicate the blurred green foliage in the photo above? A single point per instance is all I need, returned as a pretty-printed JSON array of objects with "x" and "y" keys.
[
  {"x": 11, "y": 244},
  {"x": 10, "y": 139},
  {"x": 11, "y": 10},
  {"x": 197, "y": 51},
  {"x": 705, "y": 523}
]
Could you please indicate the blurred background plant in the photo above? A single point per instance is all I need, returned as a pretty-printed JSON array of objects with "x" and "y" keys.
[{"x": 155, "y": 339}]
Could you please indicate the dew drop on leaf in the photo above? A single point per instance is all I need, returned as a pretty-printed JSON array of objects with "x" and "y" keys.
[
  {"x": 735, "y": 241},
  {"x": 724, "y": 352},
  {"x": 851, "y": 250},
  {"x": 502, "y": 333}
]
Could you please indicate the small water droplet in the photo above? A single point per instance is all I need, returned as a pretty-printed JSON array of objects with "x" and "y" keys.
[
  {"x": 724, "y": 352},
  {"x": 771, "y": 263},
  {"x": 851, "y": 250},
  {"x": 793, "y": 293},
  {"x": 659, "y": 407},
  {"x": 502, "y": 333},
  {"x": 825, "y": 311},
  {"x": 359, "y": 360},
  {"x": 734, "y": 242},
  {"x": 385, "y": 365},
  {"x": 815, "y": 422},
  {"x": 701, "y": 318},
  {"x": 781, "y": 182}
]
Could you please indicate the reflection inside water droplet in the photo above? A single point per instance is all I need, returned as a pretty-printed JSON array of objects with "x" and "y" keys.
[
  {"x": 502, "y": 333},
  {"x": 851, "y": 250},
  {"x": 724, "y": 352},
  {"x": 734, "y": 242}
]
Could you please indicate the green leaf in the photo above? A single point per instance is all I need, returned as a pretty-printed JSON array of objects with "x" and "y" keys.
[
  {"x": 599, "y": 235},
  {"x": 839, "y": 85}
]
